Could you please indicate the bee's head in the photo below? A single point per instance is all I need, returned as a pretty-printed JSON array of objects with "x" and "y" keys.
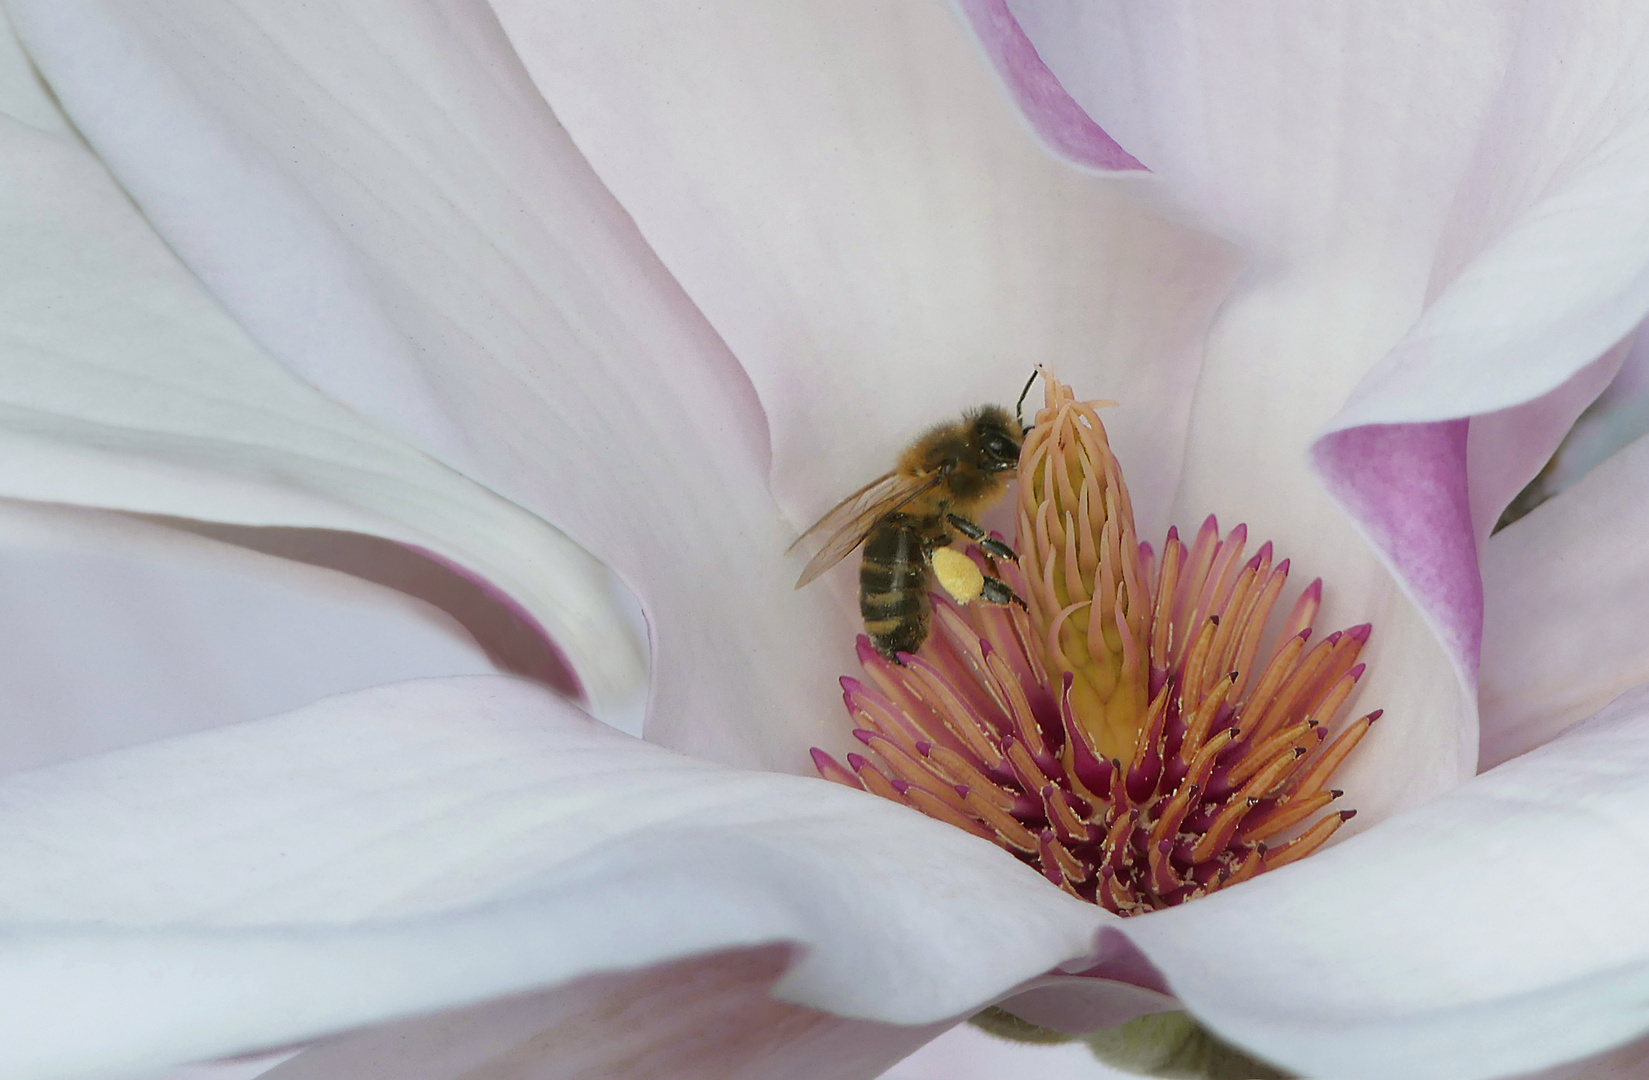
[{"x": 996, "y": 437}]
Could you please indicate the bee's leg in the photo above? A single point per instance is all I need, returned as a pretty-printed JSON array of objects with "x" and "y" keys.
[
  {"x": 997, "y": 591},
  {"x": 976, "y": 532}
]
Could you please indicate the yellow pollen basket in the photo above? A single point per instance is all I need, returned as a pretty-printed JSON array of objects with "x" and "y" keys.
[{"x": 959, "y": 574}]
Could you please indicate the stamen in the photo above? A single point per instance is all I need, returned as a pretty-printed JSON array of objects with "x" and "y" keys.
[{"x": 1132, "y": 735}]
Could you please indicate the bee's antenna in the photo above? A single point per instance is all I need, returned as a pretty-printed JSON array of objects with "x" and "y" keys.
[{"x": 1019, "y": 406}]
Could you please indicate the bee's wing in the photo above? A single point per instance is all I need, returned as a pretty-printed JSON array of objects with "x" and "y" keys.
[{"x": 850, "y": 522}]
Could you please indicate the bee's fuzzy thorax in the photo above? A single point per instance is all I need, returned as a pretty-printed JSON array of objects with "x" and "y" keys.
[{"x": 958, "y": 450}]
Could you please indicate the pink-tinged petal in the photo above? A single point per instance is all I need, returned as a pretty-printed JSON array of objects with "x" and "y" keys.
[
  {"x": 116, "y": 631},
  {"x": 1543, "y": 269},
  {"x": 1054, "y": 118},
  {"x": 841, "y": 190},
  {"x": 1315, "y": 131},
  {"x": 1566, "y": 589},
  {"x": 1051, "y": 114},
  {"x": 1388, "y": 954},
  {"x": 709, "y": 1018},
  {"x": 381, "y": 196},
  {"x": 1627, "y": 1062},
  {"x": 240, "y": 1067},
  {"x": 438, "y": 843},
  {"x": 124, "y": 385},
  {"x": 1406, "y": 486}
]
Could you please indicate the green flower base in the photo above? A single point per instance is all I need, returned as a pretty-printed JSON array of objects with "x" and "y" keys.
[{"x": 1172, "y": 1046}]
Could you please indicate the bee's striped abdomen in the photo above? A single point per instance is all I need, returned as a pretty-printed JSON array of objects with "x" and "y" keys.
[{"x": 893, "y": 586}]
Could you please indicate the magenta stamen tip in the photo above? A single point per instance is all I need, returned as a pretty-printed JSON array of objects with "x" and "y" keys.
[
  {"x": 857, "y": 761},
  {"x": 863, "y": 736},
  {"x": 1361, "y": 631},
  {"x": 1210, "y": 524},
  {"x": 1336, "y": 792},
  {"x": 1239, "y": 533},
  {"x": 1315, "y": 589},
  {"x": 1375, "y": 715},
  {"x": 901, "y": 786},
  {"x": 1282, "y": 567},
  {"x": 1357, "y": 672},
  {"x": 924, "y": 748},
  {"x": 1347, "y": 815},
  {"x": 1173, "y": 536},
  {"x": 1265, "y": 551},
  {"x": 820, "y": 758}
]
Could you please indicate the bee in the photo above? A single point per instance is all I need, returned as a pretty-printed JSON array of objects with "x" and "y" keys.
[{"x": 908, "y": 518}]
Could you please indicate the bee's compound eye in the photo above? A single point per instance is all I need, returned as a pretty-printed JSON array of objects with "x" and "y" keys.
[{"x": 1001, "y": 448}]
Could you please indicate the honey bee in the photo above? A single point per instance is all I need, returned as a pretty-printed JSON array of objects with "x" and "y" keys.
[{"x": 908, "y": 518}]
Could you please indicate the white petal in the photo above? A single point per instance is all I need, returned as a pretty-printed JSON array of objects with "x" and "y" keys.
[
  {"x": 1497, "y": 930},
  {"x": 702, "y": 1019},
  {"x": 382, "y": 197},
  {"x": 1545, "y": 261},
  {"x": 1566, "y": 590},
  {"x": 441, "y": 842},
  {"x": 123, "y": 385},
  {"x": 117, "y": 631},
  {"x": 842, "y": 192},
  {"x": 1617, "y": 418}
]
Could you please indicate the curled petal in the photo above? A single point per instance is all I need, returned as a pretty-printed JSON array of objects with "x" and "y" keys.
[{"x": 435, "y": 843}]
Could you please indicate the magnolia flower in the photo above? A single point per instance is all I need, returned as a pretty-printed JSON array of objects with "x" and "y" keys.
[{"x": 671, "y": 281}]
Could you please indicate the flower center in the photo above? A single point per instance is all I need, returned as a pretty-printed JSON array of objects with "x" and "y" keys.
[{"x": 1128, "y": 735}]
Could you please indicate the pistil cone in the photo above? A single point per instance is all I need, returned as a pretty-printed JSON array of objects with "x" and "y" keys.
[
  {"x": 1084, "y": 581},
  {"x": 1152, "y": 729}
]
